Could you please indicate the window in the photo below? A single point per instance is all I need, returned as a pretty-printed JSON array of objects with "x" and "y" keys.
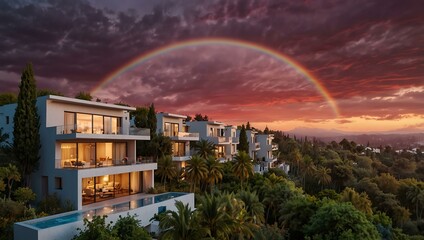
[
  {"x": 178, "y": 149},
  {"x": 171, "y": 129},
  {"x": 7, "y": 119},
  {"x": 58, "y": 182}
]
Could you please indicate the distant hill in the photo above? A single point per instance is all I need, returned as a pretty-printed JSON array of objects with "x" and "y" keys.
[{"x": 396, "y": 139}]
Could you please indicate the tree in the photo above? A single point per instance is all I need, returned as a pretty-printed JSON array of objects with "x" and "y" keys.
[
  {"x": 331, "y": 222},
  {"x": 166, "y": 169},
  {"x": 196, "y": 171},
  {"x": 266, "y": 130},
  {"x": 322, "y": 174},
  {"x": 45, "y": 92},
  {"x": 95, "y": 229},
  {"x": 243, "y": 142},
  {"x": 415, "y": 195},
  {"x": 248, "y": 127},
  {"x": 254, "y": 208},
  {"x": 199, "y": 117},
  {"x": 181, "y": 224},
  {"x": 84, "y": 96},
  {"x": 151, "y": 120},
  {"x": 212, "y": 215},
  {"x": 215, "y": 171},
  {"x": 204, "y": 148},
  {"x": 160, "y": 146},
  {"x": 308, "y": 168},
  {"x": 128, "y": 227},
  {"x": 359, "y": 201},
  {"x": 26, "y": 136},
  {"x": 140, "y": 117},
  {"x": 24, "y": 195},
  {"x": 7, "y": 98},
  {"x": 243, "y": 167}
]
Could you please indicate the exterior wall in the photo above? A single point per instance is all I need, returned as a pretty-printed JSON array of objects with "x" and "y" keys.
[
  {"x": 184, "y": 138},
  {"x": 7, "y": 111},
  {"x": 253, "y": 144},
  {"x": 51, "y": 110},
  {"x": 67, "y": 231},
  {"x": 226, "y": 139},
  {"x": 266, "y": 150}
]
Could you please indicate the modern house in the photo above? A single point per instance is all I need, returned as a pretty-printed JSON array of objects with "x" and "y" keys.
[
  {"x": 88, "y": 151},
  {"x": 224, "y": 137},
  {"x": 266, "y": 152},
  {"x": 173, "y": 126},
  {"x": 254, "y": 145}
]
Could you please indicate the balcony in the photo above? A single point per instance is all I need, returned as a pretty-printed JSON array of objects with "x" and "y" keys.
[
  {"x": 235, "y": 140},
  {"x": 185, "y": 136},
  {"x": 76, "y": 131},
  {"x": 219, "y": 140},
  {"x": 255, "y": 146},
  {"x": 102, "y": 162}
]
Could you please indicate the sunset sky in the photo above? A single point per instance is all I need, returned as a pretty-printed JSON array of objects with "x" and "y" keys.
[{"x": 367, "y": 55}]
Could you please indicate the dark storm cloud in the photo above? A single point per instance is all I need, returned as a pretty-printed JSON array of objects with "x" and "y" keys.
[{"x": 363, "y": 52}]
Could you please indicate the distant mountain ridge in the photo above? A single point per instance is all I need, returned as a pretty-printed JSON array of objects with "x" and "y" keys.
[{"x": 398, "y": 139}]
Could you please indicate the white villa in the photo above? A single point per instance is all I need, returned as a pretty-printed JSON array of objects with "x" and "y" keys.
[
  {"x": 88, "y": 151},
  {"x": 266, "y": 151},
  {"x": 224, "y": 137},
  {"x": 173, "y": 126}
]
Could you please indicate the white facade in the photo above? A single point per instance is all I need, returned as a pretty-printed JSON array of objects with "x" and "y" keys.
[
  {"x": 266, "y": 151},
  {"x": 173, "y": 126},
  {"x": 88, "y": 151},
  {"x": 254, "y": 145},
  {"x": 224, "y": 137}
]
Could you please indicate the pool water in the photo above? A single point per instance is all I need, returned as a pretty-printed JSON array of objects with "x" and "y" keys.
[{"x": 120, "y": 207}]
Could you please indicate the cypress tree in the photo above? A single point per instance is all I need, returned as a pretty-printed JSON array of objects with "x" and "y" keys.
[
  {"x": 248, "y": 126},
  {"x": 243, "y": 143},
  {"x": 151, "y": 120},
  {"x": 26, "y": 135}
]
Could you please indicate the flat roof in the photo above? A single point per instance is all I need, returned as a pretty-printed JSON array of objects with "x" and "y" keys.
[
  {"x": 165, "y": 114},
  {"x": 89, "y": 103}
]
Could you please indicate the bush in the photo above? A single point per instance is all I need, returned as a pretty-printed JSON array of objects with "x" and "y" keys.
[
  {"x": 52, "y": 205},
  {"x": 129, "y": 228}
]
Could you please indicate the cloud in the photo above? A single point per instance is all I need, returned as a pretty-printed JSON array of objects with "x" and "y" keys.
[{"x": 367, "y": 54}]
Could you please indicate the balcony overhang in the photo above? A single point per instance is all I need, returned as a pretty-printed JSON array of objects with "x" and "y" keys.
[
  {"x": 89, "y": 172},
  {"x": 181, "y": 158},
  {"x": 73, "y": 136}
]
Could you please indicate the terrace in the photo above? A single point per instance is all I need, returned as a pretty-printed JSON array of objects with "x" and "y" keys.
[{"x": 63, "y": 226}]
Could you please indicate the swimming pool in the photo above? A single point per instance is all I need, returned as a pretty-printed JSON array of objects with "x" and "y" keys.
[{"x": 116, "y": 208}]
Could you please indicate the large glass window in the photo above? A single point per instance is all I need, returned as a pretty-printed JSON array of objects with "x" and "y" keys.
[
  {"x": 178, "y": 149},
  {"x": 220, "y": 150},
  {"x": 68, "y": 154},
  {"x": 171, "y": 129},
  {"x": 84, "y": 122},
  {"x": 97, "y": 124},
  {"x": 69, "y": 123},
  {"x": 100, "y": 188},
  {"x": 86, "y": 154}
]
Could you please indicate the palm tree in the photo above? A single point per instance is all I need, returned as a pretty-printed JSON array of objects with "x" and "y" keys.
[
  {"x": 322, "y": 174},
  {"x": 254, "y": 208},
  {"x": 415, "y": 195},
  {"x": 166, "y": 169},
  {"x": 215, "y": 171},
  {"x": 243, "y": 166},
  {"x": 205, "y": 148},
  {"x": 212, "y": 215},
  {"x": 196, "y": 171},
  {"x": 181, "y": 224},
  {"x": 308, "y": 168}
]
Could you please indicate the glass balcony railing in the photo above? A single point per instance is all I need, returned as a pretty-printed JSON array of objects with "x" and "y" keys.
[
  {"x": 180, "y": 134},
  {"x": 102, "y": 162},
  {"x": 80, "y": 128}
]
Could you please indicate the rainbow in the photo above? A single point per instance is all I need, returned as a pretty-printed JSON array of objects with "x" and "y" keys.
[{"x": 226, "y": 42}]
